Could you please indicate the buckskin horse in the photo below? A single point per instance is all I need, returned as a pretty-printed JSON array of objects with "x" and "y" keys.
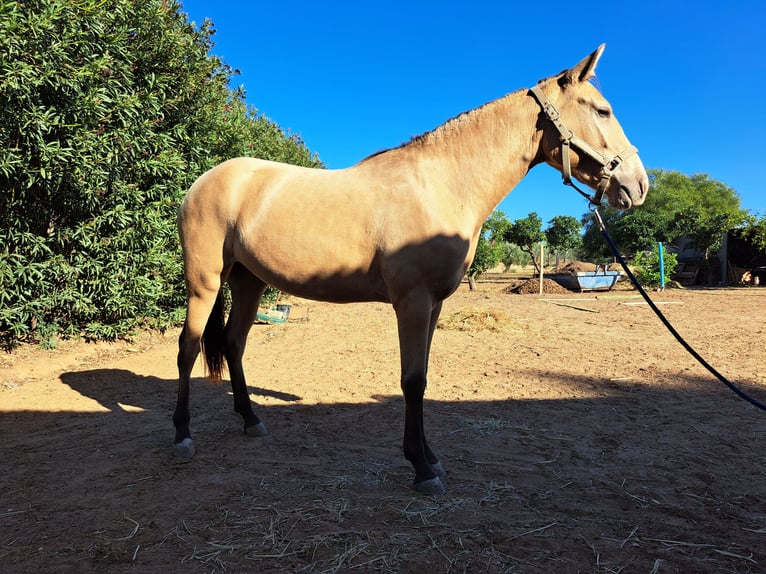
[{"x": 401, "y": 227}]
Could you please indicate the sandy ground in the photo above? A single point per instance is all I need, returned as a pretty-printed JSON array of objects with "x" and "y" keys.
[{"x": 578, "y": 436}]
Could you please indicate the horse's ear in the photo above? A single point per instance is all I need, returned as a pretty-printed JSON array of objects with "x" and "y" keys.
[{"x": 583, "y": 71}]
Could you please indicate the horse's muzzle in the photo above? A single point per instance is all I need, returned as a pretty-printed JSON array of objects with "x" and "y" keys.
[{"x": 629, "y": 187}]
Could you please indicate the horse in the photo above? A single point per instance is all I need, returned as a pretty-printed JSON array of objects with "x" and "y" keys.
[{"x": 400, "y": 227}]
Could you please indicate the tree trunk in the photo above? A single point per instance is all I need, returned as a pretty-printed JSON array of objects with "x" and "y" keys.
[
  {"x": 472, "y": 282},
  {"x": 534, "y": 260}
]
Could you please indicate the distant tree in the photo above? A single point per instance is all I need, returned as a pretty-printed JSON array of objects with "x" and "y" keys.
[
  {"x": 632, "y": 231},
  {"x": 513, "y": 255},
  {"x": 707, "y": 221},
  {"x": 487, "y": 256},
  {"x": 496, "y": 225},
  {"x": 489, "y": 248},
  {"x": 563, "y": 234},
  {"x": 594, "y": 248},
  {"x": 527, "y": 233},
  {"x": 754, "y": 230}
]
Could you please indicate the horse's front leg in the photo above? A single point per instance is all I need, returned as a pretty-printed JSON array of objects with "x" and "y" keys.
[{"x": 416, "y": 319}]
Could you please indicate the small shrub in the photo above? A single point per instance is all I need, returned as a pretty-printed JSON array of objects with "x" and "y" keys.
[{"x": 647, "y": 267}]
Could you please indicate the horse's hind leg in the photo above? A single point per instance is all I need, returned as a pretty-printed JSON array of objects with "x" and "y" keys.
[
  {"x": 198, "y": 310},
  {"x": 246, "y": 292}
]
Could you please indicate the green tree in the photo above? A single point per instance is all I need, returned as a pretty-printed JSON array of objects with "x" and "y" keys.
[
  {"x": 563, "y": 234},
  {"x": 697, "y": 207},
  {"x": 110, "y": 109},
  {"x": 754, "y": 229},
  {"x": 496, "y": 225},
  {"x": 489, "y": 249},
  {"x": 594, "y": 248},
  {"x": 487, "y": 256},
  {"x": 512, "y": 254},
  {"x": 527, "y": 233},
  {"x": 632, "y": 232}
]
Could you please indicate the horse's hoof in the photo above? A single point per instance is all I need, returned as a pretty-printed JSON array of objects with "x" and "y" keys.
[
  {"x": 438, "y": 469},
  {"x": 184, "y": 449},
  {"x": 431, "y": 487},
  {"x": 256, "y": 430}
]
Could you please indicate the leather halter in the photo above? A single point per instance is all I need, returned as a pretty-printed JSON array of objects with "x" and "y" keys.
[{"x": 569, "y": 140}]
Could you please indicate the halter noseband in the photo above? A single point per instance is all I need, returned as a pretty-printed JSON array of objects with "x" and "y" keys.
[{"x": 568, "y": 139}]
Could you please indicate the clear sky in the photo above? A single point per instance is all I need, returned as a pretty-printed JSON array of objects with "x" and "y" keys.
[{"x": 687, "y": 80}]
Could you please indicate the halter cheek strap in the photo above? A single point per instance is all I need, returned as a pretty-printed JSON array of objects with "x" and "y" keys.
[{"x": 569, "y": 140}]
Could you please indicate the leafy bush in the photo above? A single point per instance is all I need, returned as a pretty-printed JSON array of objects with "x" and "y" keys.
[
  {"x": 110, "y": 109},
  {"x": 647, "y": 267}
]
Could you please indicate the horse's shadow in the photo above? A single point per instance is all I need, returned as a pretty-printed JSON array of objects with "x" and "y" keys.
[
  {"x": 120, "y": 390},
  {"x": 599, "y": 425}
]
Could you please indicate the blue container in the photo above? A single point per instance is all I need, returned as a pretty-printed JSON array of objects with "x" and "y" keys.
[{"x": 587, "y": 280}]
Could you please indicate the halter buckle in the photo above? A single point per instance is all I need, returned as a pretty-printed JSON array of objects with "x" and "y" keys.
[{"x": 551, "y": 112}]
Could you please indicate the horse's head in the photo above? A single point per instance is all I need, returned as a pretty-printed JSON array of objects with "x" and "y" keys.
[{"x": 582, "y": 138}]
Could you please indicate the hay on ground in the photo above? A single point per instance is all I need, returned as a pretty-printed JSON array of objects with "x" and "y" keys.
[{"x": 476, "y": 319}]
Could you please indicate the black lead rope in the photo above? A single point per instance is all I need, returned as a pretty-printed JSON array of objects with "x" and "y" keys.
[{"x": 695, "y": 354}]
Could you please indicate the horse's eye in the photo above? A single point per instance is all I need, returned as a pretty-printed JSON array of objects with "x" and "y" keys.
[{"x": 604, "y": 112}]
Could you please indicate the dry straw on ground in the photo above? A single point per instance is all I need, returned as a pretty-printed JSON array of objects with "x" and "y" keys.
[{"x": 477, "y": 319}]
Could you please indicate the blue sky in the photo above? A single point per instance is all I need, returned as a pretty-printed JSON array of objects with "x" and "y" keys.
[{"x": 687, "y": 80}]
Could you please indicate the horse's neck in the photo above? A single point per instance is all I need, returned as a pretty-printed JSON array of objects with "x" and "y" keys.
[{"x": 483, "y": 154}]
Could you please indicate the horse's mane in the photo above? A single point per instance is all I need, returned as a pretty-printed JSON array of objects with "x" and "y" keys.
[
  {"x": 446, "y": 127},
  {"x": 461, "y": 118}
]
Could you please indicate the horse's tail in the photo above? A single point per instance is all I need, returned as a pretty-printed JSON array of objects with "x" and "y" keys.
[{"x": 212, "y": 344}]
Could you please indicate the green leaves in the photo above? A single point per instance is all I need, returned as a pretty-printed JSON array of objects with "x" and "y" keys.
[
  {"x": 647, "y": 267},
  {"x": 526, "y": 233},
  {"x": 696, "y": 207},
  {"x": 110, "y": 110},
  {"x": 563, "y": 233}
]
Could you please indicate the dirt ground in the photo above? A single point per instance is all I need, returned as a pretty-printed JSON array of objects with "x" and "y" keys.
[{"x": 578, "y": 436}]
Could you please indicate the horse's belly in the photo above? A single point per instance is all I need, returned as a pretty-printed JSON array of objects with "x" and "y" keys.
[
  {"x": 315, "y": 275},
  {"x": 340, "y": 287},
  {"x": 349, "y": 289}
]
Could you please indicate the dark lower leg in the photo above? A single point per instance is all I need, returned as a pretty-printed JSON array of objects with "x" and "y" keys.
[
  {"x": 246, "y": 291},
  {"x": 432, "y": 458},
  {"x": 187, "y": 354},
  {"x": 181, "y": 415},
  {"x": 242, "y": 404},
  {"x": 415, "y": 315},
  {"x": 415, "y": 447}
]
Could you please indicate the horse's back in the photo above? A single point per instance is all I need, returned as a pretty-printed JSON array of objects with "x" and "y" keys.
[
  {"x": 225, "y": 186},
  {"x": 291, "y": 226},
  {"x": 339, "y": 235}
]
